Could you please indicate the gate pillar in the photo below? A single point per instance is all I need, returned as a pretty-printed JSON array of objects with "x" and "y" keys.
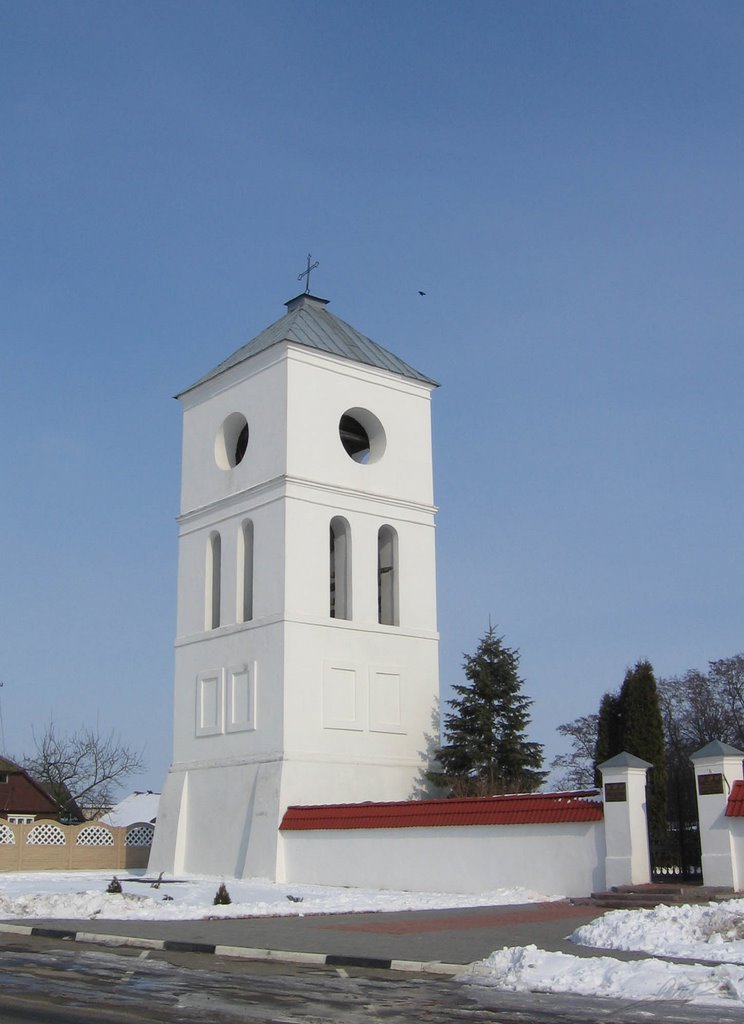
[
  {"x": 627, "y": 860},
  {"x": 717, "y": 767}
]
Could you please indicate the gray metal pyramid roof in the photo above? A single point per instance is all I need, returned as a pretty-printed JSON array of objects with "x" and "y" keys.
[
  {"x": 625, "y": 760},
  {"x": 716, "y": 749},
  {"x": 307, "y": 322}
]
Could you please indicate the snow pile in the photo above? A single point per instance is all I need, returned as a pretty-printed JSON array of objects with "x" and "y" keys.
[
  {"x": 528, "y": 969},
  {"x": 712, "y": 931},
  {"x": 77, "y": 895}
]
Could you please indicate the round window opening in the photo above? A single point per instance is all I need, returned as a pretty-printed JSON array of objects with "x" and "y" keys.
[
  {"x": 232, "y": 441},
  {"x": 362, "y": 435}
]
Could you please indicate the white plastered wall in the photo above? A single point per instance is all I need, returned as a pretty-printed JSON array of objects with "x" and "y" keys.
[
  {"x": 302, "y": 746},
  {"x": 359, "y": 695},
  {"x": 563, "y": 859},
  {"x": 625, "y": 826},
  {"x": 258, "y": 390},
  {"x": 736, "y": 826},
  {"x": 320, "y": 389},
  {"x": 720, "y": 837}
]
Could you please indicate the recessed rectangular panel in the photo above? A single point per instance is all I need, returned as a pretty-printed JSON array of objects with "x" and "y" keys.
[
  {"x": 341, "y": 704},
  {"x": 385, "y": 701},
  {"x": 241, "y": 698},
  {"x": 209, "y": 703}
]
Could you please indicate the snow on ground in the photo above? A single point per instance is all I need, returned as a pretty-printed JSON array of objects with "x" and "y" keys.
[
  {"x": 82, "y": 894},
  {"x": 711, "y": 931},
  {"x": 528, "y": 969}
]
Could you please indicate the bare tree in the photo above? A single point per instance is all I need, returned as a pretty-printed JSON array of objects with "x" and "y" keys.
[
  {"x": 577, "y": 767},
  {"x": 698, "y": 707},
  {"x": 81, "y": 770}
]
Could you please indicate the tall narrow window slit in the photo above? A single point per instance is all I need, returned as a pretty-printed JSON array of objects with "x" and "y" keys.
[
  {"x": 245, "y": 572},
  {"x": 387, "y": 576},
  {"x": 340, "y": 568},
  {"x": 213, "y": 581}
]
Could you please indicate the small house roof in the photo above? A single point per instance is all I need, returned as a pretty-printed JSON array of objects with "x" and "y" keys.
[
  {"x": 24, "y": 794},
  {"x": 521, "y": 809},
  {"x": 138, "y": 806},
  {"x": 308, "y": 323}
]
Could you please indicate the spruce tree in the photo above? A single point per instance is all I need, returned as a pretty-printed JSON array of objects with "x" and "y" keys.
[{"x": 485, "y": 749}]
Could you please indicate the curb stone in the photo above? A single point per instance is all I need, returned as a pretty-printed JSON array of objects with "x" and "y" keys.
[{"x": 241, "y": 952}]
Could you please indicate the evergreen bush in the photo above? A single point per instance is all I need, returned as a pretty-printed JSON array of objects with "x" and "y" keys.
[{"x": 222, "y": 896}]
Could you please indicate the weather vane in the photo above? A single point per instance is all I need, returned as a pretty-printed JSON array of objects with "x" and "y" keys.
[{"x": 306, "y": 273}]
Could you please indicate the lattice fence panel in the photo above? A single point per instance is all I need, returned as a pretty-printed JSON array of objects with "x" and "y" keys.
[
  {"x": 46, "y": 835},
  {"x": 140, "y": 835},
  {"x": 94, "y": 835},
  {"x": 7, "y": 838}
]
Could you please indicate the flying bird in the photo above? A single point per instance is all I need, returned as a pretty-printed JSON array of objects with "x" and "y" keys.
[{"x": 422, "y": 293}]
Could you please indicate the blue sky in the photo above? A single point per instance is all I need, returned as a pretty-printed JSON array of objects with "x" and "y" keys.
[{"x": 564, "y": 180}]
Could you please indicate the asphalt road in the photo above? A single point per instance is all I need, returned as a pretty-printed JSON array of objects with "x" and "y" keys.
[
  {"x": 46, "y": 982},
  {"x": 457, "y": 936}
]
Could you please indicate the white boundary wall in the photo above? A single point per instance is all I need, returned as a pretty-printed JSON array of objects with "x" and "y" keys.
[
  {"x": 736, "y": 827},
  {"x": 565, "y": 859}
]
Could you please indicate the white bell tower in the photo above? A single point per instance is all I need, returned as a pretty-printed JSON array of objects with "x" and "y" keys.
[{"x": 306, "y": 656}]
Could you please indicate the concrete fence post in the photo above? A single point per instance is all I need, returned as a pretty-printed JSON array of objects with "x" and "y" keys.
[
  {"x": 717, "y": 767},
  {"x": 627, "y": 860}
]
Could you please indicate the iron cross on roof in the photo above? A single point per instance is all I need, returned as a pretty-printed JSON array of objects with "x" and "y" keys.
[{"x": 306, "y": 273}]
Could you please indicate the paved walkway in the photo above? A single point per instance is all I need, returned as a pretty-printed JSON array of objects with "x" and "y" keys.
[{"x": 436, "y": 940}]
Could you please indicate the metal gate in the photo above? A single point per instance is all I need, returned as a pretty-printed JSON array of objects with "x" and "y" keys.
[{"x": 676, "y": 857}]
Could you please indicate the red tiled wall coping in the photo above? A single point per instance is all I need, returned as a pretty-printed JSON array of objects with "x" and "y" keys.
[
  {"x": 520, "y": 809},
  {"x": 735, "y": 803}
]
